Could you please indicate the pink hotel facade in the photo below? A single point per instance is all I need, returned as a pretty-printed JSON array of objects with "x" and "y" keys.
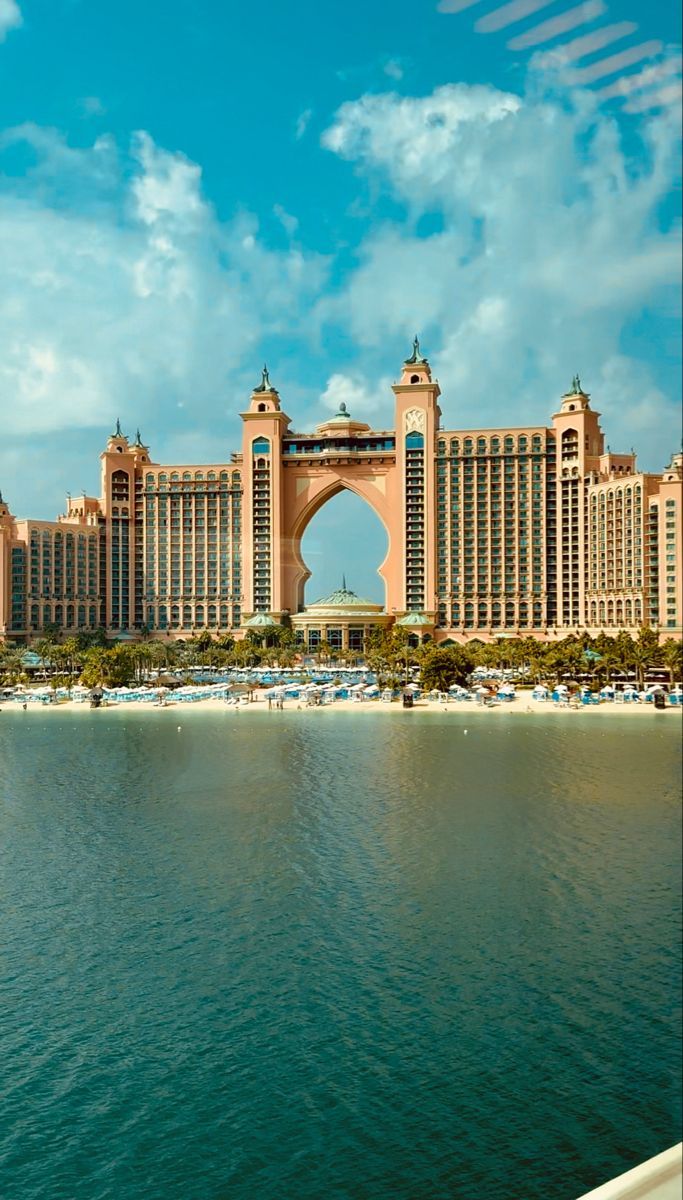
[{"x": 491, "y": 532}]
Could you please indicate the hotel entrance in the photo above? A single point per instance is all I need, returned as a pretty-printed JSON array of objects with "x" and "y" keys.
[{"x": 343, "y": 620}]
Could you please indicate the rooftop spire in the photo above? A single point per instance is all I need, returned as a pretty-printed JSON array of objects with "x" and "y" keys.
[
  {"x": 138, "y": 440},
  {"x": 117, "y": 432},
  {"x": 344, "y": 582},
  {"x": 265, "y": 384},
  {"x": 416, "y": 356}
]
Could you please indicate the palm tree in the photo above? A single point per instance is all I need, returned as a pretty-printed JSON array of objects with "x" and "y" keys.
[
  {"x": 672, "y": 656},
  {"x": 646, "y": 652},
  {"x": 11, "y": 662},
  {"x": 45, "y": 649},
  {"x": 323, "y": 652},
  {"x": 143, "y": 658}
]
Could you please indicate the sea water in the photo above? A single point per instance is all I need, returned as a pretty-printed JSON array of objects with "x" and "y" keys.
[{"x": 349, "y": 955}]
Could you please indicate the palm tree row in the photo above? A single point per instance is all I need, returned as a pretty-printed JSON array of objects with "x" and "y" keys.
[{"x": 388, "y": 653}]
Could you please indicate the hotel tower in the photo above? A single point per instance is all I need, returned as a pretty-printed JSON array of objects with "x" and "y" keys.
[{"x": 491, "y": 532}]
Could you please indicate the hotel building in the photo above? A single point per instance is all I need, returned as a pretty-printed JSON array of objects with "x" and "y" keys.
[{"x": 535, "y": 531}]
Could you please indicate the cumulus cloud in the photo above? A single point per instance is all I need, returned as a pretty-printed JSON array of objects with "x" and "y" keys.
[
  {"x": 355, "y": 392},
  {"x": 167, "y": 187},
  {"x": 550, "y": 243},
  {"x": 121, "y": 293},
  {"x": 10, "y": 17},
  {"x": 415, "y": 140}
]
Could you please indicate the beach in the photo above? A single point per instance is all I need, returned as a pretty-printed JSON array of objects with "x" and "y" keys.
[{"x": 524, "y": 706}]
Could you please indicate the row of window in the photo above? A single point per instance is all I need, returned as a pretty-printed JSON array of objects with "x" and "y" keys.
[
  {"x": 232, "y": 477},
  {"x": 492, "y": 445}
]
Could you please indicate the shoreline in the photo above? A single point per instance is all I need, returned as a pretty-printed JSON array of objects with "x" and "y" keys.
[{"x": 521, "y": 707}]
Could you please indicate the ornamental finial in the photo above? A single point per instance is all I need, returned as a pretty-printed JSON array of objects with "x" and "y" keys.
[
  {"x": 416, "y": 357},
  {"x": 576, "y": 388},
  {"x": 117, "y": 432},
  {"x": 265, "y": 384}
]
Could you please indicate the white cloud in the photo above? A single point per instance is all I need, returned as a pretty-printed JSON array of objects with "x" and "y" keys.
[
  {"x": 121, "y": 292},
  {"x": 356, "y": 393},
  {"x": 393, "y": 69},
  {"x": 549, "y": 245},
  {"x": 289, "y": 223},
  {"x": 167, "y": 187},
  {"x": 10, "y": 17},
  {"x": 302, "y": 122},
  {"x": 416, "y": 141}
]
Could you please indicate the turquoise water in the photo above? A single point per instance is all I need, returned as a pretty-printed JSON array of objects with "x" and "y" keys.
[{"x": 348, "y": 955}]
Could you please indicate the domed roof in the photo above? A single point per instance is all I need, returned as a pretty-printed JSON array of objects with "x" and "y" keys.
[
  {"x": 343, "y": 597},
  {"x": 260, "y": 620},
  {"x": 345, "y": 600},
  {"x": 416, "y": 620}
]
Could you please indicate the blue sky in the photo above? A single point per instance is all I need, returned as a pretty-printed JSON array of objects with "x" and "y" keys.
[{"x": 188, "y": 189}]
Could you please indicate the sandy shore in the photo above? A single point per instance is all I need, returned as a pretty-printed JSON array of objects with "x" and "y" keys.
[{"x": 522, "y": 706}]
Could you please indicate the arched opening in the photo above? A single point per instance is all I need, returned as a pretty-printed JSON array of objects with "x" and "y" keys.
[{"x": 345, "y": 537}]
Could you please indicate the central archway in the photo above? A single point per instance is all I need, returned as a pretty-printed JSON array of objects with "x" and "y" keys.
[
  {"x": 344, "y": 540},
  {"x": 306, "y": 490}
]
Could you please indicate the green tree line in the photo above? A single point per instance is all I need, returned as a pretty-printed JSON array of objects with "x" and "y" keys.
[{"x": 388, "y": 653}]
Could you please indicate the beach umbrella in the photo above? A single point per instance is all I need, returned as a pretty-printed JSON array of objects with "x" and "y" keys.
[{"x": 169, "y": 681}]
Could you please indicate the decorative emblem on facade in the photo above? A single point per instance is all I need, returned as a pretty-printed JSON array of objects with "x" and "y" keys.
[{"x": 414, "y": 420}]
